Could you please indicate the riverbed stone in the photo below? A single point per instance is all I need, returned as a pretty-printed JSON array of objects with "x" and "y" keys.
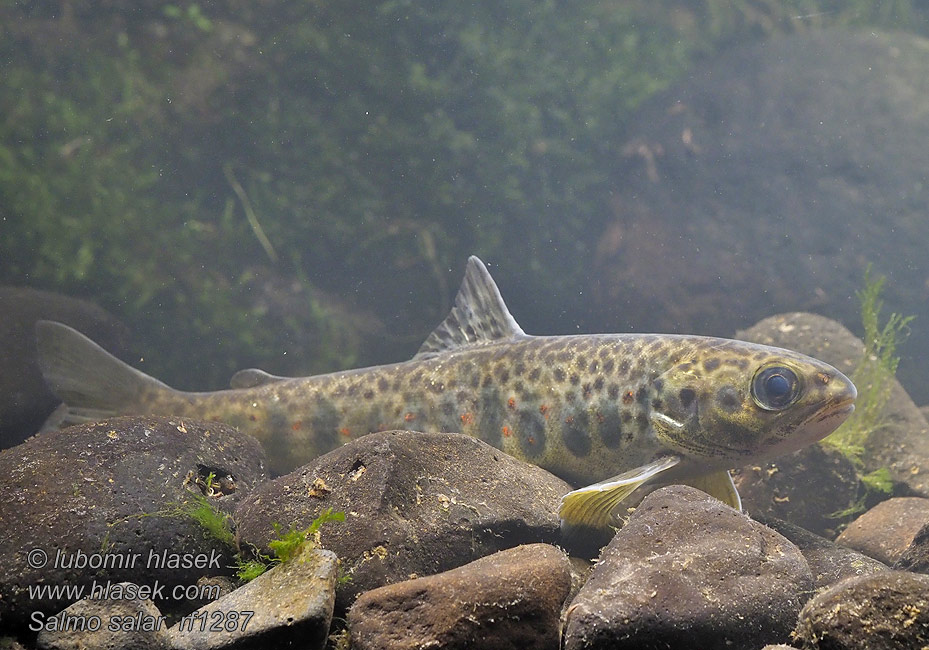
[
  {"x": 805, "y": 487},
  {"x": 415, "y": 504},
  {"x": 100, "y": 502},
  {"x": 505, "y": 601},
  {"x": 883, "y": 611},
  {"x": 689, "y": 571},
  {"x": 886, "y": 531},
  {"x": 107, "y": 624},
  {"x": 829, "y": 562},
  {"x": 289, "y": 604}
]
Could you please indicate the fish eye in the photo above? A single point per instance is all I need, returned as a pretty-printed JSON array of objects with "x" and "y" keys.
[{"x": 775, "y": 388}]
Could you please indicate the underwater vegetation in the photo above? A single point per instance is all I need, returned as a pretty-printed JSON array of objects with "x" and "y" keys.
[
  {"x": 873, "y": 377},
  {"x": 874, "y": 373}
]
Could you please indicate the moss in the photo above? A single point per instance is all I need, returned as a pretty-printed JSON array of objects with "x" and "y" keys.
[
  {"x": 874, "y": 374},
  {"x": 289, "y": 545}
]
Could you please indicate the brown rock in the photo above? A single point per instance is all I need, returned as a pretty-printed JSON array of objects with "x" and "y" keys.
[
  {"x": 292, "y": 601},
  {"x": 884, "y": 611},
  {"x": 804, "y": 488},
  {"x": 415, "y": 504},
  {"x": 885, "y": 531},
  {"x": 688, "y": 571},
  {"x": 829, "y": 562},
  {"x": 509, "y": 600},
  {"x": 97, "y": 489}
]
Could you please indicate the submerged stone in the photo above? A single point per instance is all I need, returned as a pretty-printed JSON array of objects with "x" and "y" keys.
[
  {"x": 505, "y": 601},
  {"x": 886, "y": 531},
  {"x": 689, "y": 571},
  {"x": 288, "y": 606},
  {"x": 113, "y": 624},
  {"x": 98, "y": 503},
  {"x": 415, "y": 504},
  {"x": 884, "y": 611}
]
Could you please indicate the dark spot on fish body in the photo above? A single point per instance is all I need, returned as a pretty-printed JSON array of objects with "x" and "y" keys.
[
  {"x": 324, "y": 422},
  {"x": 609, "y": 425},
  {"x": 729, "y": 399},
  {"x": 709, "y": 365},
  {"x": 580, "y": 361},
  {"x": 594, "y": 367},
  {"x": 531, "y": 433},
  {"x": 490, "y": 417},
  {"x": 687, "y": 396},
  {"x": 656, "y": 404},
  {"x": 598, "y": 384},
  {"x": 623, "y": 368},
  {"x": 607, "y": 366},
  {"x": 641, "y": 395},
  {"x": 626, "y": 416},
  {"x": 586, "y": 389},
  {"x": 575, "y": 380},
  {"x": 740, "y": 363},
  {"x": 472, "y": 335},
  {"x": 558, "y": 374},
  {"x": 382, "y": 384},
  {"x": 658, "y": 384},
  {"x": 641, "y": 421},
  {"x": 368, "y": 394},
  {"x": 534, "y": 374},
  {"x": 503, "y": 374},
  {"x": 519, "y": 369},
  {"x": 474, "y": 380},
  {"x": 576, "y": 433},
  {"x": 563, "y": 356},
  {"x": 396, "y": 384}
]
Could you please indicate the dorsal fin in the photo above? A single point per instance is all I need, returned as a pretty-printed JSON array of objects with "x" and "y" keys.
[
  {"x": 251, "y": 377},
  {"x": 479, "y": 315}
]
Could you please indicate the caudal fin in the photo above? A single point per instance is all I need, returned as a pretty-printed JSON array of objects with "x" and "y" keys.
[{"x": 91, "y": 382}]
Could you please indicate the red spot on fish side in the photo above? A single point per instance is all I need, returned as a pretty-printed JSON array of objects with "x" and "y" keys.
[
  {"x": 409, "y": 417},
  {"x": 530, "y": 440},
  {"x": 506, "y": 432},
  {"x": 569, "y": 419},
  {"x": 296, "y": 426},
  {"x": 511, "y": 402},
  {"x": 544, "y": 410},
  {"x": 345, "y": 432},
  {"x": 467, "y": 418},
  {"x": 628, "y": 397}
]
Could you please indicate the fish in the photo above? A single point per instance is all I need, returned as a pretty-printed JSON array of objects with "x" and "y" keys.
[{"x": 606, "y": 412}]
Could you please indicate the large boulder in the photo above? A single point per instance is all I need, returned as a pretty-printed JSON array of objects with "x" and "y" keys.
[
  {"x": 505, "y": 601},
  {"x": 688, "y": 571},
  {"x": 415, "y": 504},
  {"x": 100, "y": 503}
]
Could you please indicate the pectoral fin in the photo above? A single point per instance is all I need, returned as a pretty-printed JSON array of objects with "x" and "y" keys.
[
  {"x": 592, "y": 505},
  {"x": 719, "y": 485}
]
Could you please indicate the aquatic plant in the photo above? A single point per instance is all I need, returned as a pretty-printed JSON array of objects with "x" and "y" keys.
[
  {"x": 289, "y": 545},
  {"x": 874, "y": 373}
]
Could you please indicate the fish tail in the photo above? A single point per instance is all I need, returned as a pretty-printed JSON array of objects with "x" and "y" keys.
[{"x": 91, "y": 382}]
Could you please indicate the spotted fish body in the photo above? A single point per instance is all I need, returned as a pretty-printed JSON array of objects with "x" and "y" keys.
[{"x": 584, "y": 407}]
